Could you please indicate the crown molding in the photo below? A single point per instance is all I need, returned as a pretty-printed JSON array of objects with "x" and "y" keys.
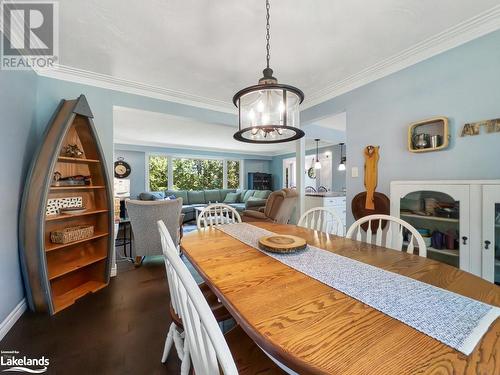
[
  {"x": 475, "y": 27},
  {"x": 120, "y": 144},
  {"x": 86, "y": 77}
]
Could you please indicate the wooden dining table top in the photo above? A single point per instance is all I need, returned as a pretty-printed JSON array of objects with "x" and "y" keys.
[{"x": 315, "y": 329}]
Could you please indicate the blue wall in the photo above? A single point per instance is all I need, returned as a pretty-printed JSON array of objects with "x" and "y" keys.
[
  {"x": 17, "y": 145},
  {"x": 462, "y": 84},
  {"x": 135, "y": 155}
]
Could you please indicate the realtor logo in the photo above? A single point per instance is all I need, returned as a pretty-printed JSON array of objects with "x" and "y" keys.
[
  {"x": 30, "y": 34},
  {"x": 11, "y": 361}
]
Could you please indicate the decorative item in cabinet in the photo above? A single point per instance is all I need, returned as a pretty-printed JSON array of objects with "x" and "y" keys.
[
  {"x": 72, "y": 151},
  {"x": 428, "y": 135},
  {"x": 72, "y": 234},
  {"x": 54, "y": 205},
  {"x": 77, "y": 180},
  {"x": 58, "y": 274}
]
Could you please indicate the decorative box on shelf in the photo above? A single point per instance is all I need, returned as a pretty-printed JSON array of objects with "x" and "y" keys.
[
  {"x": 72, "y": 234},
  {"x": 428, "y": 135}
]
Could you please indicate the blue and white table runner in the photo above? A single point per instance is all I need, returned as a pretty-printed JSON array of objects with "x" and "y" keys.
[{"x": 457, "y": 321}]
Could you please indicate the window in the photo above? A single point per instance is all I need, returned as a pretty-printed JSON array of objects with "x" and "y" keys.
[
  {"x": 158, "y": 173},
  {"x": 191, "y": 173},
  {"x": 197, "y": 174},
  {"x": 233, "y": 174}
]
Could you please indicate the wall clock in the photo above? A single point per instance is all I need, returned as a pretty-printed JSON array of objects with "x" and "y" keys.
[
  {"x": 311, "y": 172},
  {"x": 122, "y": 168}
]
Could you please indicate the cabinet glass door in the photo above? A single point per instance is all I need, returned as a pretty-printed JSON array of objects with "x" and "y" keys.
[
  {"x": 491, "y": 233},
  {"x": 440, "y": 213}
]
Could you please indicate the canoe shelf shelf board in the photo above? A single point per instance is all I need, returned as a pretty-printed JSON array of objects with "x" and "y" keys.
[{"x": 58, "y": 274}]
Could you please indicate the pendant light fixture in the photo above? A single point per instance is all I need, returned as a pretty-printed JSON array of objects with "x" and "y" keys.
[
  {"x": 342, "y": 158},
  {"x": 317, "y": 165},
  {"x": 268, "y": 112}
]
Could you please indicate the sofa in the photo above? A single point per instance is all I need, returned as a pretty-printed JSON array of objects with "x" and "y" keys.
[{"x": 240, "y": 199}]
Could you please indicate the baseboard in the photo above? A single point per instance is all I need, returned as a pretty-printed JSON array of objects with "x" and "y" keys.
[{"x": 12, "y": 318}]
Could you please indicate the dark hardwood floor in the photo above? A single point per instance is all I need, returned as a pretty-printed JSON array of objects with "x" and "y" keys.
[{"x": 118, "y": 330}]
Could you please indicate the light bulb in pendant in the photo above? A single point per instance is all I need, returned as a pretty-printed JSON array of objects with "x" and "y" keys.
[{"x": 260, "y": 106}]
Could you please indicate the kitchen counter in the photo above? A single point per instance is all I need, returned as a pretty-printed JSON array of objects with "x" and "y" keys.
[{"x": 326, "y": 194}]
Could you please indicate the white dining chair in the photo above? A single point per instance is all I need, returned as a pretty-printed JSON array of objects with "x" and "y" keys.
[
  {"x": 174, "y": 336},
  {"x": 391, "y": 236},
  {"x": 322, "y": 219},
  {"x": 217, "y": 214},
  {"x": 208, "y": 349}
]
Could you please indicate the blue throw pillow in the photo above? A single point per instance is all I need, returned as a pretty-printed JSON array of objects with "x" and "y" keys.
[{"x": 231, "y": 198}]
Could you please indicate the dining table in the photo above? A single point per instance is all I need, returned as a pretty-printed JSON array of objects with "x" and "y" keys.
[{"x": 312, "y": 328}]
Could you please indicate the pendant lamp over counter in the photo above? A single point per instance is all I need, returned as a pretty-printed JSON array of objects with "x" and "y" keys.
[
  {"x": 269, "y": 111},
  {"x": 342, "y": 158},
  {"x": 317, "y": 164}
]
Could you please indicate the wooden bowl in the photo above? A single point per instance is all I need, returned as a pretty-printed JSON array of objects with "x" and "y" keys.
[{"x": 282, "y": 243}]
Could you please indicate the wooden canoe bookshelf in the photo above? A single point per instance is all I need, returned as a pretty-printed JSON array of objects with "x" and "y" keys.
[{"x": 57, "y": 275}]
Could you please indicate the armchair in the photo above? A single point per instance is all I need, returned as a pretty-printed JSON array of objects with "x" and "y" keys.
[
  {"x": 144, "y": 216},
  {"x": 279, "y": 208}
]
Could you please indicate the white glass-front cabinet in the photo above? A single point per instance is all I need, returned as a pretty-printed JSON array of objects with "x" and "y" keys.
[
  {"x": 459, "y": 220},
  {"x": 491, "y": 233}
]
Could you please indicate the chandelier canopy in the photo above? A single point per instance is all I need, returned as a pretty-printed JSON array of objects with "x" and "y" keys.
[{"x": 269, "y": 111}]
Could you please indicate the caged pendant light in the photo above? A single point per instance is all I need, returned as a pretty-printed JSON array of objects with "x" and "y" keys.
[{"x": 269, "y": 111}]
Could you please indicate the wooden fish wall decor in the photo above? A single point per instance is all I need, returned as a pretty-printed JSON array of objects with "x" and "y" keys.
[{"x": 492, "y": 126}]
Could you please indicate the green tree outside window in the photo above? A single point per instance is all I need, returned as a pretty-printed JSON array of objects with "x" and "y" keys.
[
  {"x": 158, "y": 173},
  {"x": 197, "y": 174},
  {"x": 233, "y": 174}
]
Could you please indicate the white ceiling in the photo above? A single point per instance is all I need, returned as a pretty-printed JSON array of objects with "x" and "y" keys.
[
  {"x": 137, "y": 127},
  {"x": 206, "y": 50}
]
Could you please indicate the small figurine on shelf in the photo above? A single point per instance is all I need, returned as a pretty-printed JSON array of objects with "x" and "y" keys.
[
  {"x": 77, "y": 180},
  {"x": 72, "y": 151},
  {"x": 56, "y": 178}
]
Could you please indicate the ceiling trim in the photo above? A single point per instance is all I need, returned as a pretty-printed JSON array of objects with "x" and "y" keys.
[
  {"x": 264, "y": 155},
  {"x": 86, "y": 77},
  {"x": 475, "y": 27}
]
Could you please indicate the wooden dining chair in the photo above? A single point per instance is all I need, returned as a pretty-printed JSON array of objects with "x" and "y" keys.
[
  {"x": 210, "y": 351},
  {"x": 388, "y": 233},
  {"x": 217, "y": 214},
  {"x": 176, "y": 335},
  {"x": 323, "y": 220}
]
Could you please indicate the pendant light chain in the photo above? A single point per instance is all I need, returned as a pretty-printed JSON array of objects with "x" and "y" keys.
[
  {"x": 268, "y": 112},
  {"x": 268, "y": 47}
]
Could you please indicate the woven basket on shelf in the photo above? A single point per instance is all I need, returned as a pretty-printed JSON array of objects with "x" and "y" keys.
[{"x": 72, "y": 234}]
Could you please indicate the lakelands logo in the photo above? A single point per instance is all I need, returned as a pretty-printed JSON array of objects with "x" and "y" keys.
[
  {"x": 30, "y": 34},
  {"x": 16, "y": 363}
]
